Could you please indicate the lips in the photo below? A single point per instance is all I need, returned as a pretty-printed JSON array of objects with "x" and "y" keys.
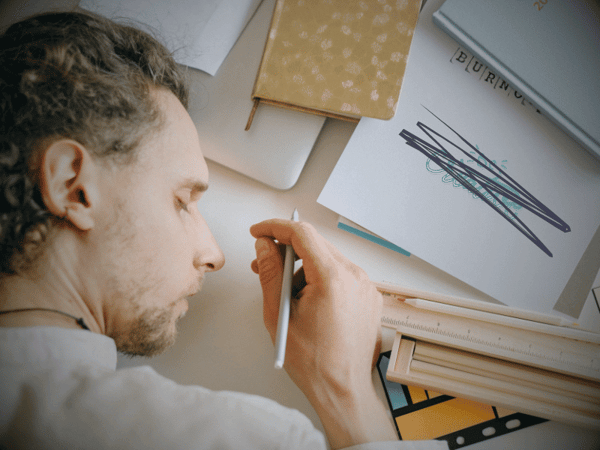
[{"x": 197, "y": 287}]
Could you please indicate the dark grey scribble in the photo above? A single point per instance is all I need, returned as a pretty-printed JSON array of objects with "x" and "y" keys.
[{"x": 504, "y": 189}]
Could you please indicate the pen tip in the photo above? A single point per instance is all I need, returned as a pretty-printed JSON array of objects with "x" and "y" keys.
[
  {"x": 295, "y": 215},
  {"x": 278, "y": 364}
]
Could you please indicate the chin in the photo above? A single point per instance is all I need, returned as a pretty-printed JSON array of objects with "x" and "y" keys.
[{"x": 151, "y": 333}]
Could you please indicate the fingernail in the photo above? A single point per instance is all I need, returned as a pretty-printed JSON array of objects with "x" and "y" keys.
[{"x": 262, "y": 248}]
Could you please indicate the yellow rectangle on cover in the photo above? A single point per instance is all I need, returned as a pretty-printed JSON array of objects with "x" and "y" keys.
[
  {"x": 443, "y": 418},
  {"x": 417, "y": 394}
]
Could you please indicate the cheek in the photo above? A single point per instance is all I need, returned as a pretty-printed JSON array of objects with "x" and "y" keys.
[{"x": 170, "y": 249}]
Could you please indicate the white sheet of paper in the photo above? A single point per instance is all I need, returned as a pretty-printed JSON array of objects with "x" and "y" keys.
[
  {"x": 199, "y": 32},
  {"x": 397, "y": 192}
]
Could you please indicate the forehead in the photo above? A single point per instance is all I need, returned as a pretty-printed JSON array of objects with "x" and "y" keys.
[{"x": 174, "y": 149}]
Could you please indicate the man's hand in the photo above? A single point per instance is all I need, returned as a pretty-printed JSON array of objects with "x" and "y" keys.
[{"x": 334, "y": 330}]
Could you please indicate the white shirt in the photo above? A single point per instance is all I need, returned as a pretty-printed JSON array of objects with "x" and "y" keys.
[{"x": 59, "y": 389}]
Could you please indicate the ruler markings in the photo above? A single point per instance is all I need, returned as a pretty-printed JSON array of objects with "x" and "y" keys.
[{"x": 442, "y": 325}]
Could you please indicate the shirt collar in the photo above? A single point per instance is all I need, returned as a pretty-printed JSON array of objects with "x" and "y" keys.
[{"x": 22, "y": 345}]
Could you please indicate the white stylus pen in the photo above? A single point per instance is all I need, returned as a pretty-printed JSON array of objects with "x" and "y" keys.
[{"x": 284, "y": 302}]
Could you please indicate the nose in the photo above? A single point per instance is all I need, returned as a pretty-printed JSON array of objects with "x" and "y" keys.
[{"x": 209, "y": 256}]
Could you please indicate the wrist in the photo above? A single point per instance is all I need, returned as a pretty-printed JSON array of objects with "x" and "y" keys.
[{"x": 352, "y": 414}]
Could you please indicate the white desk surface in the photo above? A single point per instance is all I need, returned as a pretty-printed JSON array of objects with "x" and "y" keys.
[{"x": 222, "y": 342}]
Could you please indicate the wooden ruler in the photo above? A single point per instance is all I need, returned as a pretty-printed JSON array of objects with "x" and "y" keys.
[{"x": 532, "y": 367}]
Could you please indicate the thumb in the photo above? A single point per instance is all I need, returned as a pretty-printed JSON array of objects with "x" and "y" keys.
[{"x": 270, "y": 274}]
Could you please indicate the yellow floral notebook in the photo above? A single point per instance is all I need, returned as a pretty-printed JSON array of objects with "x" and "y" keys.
[{"x": 338, "y": 58}]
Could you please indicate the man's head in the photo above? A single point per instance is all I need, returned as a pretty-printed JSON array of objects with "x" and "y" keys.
[
  {"x": 100, "y": 172},
  {"x": 76, "y": 76}
]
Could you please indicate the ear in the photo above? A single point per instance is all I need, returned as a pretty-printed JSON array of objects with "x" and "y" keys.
[{"x": 68, "y": 182}]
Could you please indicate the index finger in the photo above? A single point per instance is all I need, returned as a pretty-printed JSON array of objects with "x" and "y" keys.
[{"x": 308, "y": 244}]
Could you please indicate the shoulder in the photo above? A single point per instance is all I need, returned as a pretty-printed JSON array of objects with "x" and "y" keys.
[
  {"x": 148, "y": 401},
  {"x": 139, "y": 409}
]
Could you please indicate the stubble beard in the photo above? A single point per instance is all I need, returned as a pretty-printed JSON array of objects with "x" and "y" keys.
[{"x": 150, "y": 334}]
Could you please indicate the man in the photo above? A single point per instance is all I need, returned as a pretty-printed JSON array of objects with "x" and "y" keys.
[{"x": 101, "y": 242}]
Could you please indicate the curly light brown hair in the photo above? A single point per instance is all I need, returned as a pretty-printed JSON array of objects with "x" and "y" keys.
[{"x": 70, "y": 75}]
